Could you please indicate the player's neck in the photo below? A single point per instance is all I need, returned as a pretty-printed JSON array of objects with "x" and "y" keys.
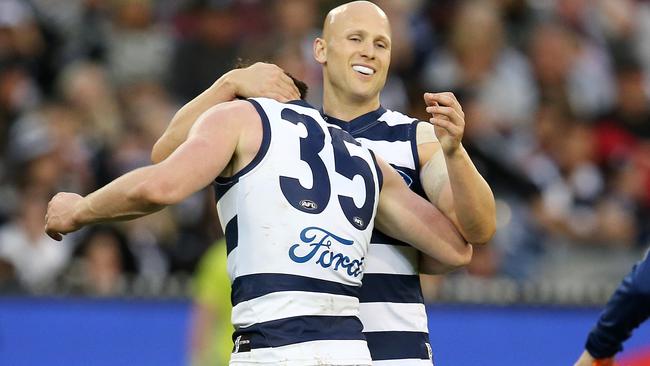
[{"x": 346, "y": 108}]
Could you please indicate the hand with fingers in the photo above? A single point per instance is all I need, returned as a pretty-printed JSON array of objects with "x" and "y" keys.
[
  {"x": 448, "y": 119},
  {"x": 59, "y": 218},
  {"x": 264, "y": 80}
]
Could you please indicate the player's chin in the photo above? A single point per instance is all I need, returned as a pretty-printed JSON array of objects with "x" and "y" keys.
[
  {"x": 366, "y": 93},
  {"x": 363, "y": 89}
]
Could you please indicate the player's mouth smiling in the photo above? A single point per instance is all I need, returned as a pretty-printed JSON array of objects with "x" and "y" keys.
[{"x": 363, "y": 70}]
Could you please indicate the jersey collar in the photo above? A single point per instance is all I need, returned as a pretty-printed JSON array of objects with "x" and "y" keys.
[
  {"x": 301, "y": 102},
  {"x": 358, "y": 124}
]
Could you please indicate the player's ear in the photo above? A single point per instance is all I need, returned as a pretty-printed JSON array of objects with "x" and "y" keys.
[{"x": 320, "y": 51}]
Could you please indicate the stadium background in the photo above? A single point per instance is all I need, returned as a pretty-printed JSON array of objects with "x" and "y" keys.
[{"x": 556, "y": 94}]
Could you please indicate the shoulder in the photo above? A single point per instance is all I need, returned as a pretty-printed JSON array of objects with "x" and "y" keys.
[
  {"x": 424, "y": 131},
  {"x": 238, "y": 112},
  {"x": 395, "y": 118},
  {"x": 226, "y": 121},
  {"x": 235, "y": 107}
]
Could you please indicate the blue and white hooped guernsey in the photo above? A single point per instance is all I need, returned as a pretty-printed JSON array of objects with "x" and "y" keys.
[
  {"x": 298, "y": 220},
  {"x": 392, "y": 307}
]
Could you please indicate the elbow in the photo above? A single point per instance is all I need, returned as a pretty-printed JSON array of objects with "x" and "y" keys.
[
  {"x": 452, "y": 261},
  {"x": 484, "y": 238},
  {"x": 463, "y": 257},
  {"x": 458, "y": 261},
  {"x": 469, "y": 253},
  {"x": 483, "y": 234},
  {"x": 490, "y": 228}
]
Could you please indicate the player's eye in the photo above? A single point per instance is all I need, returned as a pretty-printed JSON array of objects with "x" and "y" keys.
[
  {"x": 355, "y": 39},
  {"x": 382, "y": 45}
]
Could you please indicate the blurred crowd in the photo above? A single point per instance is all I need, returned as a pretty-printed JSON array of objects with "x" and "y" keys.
[{"x": 556, "y": 95}]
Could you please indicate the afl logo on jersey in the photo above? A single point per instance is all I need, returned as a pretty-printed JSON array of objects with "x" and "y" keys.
[
  {"x": 358, "y": 221},
  {"x": 308, "y": 204}
]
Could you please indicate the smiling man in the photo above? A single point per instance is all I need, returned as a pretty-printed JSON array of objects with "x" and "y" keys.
[
  {"x": 354, "y": 69},
  {"x": 355, "y": 53}
]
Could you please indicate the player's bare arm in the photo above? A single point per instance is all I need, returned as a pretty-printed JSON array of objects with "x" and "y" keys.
[
  {"x": 448, "y": 175},
  {"x": 406, "y": 216},
  {"x": 230, "y": 134},
  {"x": 257, "y": 80}
]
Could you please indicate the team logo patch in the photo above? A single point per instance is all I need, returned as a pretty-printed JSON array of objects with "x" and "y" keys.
[
  {"x": 242, "y": 344},
  {"x": 321, "y": 245},
  {"x": 308, "y": 204}
]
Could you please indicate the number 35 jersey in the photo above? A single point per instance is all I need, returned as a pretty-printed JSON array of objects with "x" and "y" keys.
[{"x": 298, "y": 221}]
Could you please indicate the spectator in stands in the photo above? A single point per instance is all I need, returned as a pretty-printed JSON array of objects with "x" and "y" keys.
[
  {"x": 36, "y": 262},
  {"x": 105, "y": 263}
]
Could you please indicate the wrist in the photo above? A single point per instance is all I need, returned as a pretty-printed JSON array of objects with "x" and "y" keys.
[
  {"x": 455, "y": 152},
  {"x": 80, "y": 214},
  {"x": 227, "y": 85}
]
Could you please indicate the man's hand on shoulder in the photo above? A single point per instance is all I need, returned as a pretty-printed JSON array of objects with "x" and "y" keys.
[
  {"x": 258, "y": 80},
  {"x": 262, "y": 80}
]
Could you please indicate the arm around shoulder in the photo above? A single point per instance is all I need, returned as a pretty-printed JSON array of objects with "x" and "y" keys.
[{"x": 258, "y": 80}]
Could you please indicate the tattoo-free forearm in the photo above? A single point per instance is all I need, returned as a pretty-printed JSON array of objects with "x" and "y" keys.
[
  {"x": 472, "y": 198},
  {"x": 129, "y": 196}
]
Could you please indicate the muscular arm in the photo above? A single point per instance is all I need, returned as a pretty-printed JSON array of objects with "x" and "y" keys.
[
  {"x": 406, "y": 216},
  {"x": 453, "y": 184},
  {"x": 217, "y": 134},
  {"x": 258, "y": 80},
  {"x": 448, "y": 175}
]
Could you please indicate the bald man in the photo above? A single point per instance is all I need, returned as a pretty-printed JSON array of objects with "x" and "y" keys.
[{"x": 355, "y": 51}]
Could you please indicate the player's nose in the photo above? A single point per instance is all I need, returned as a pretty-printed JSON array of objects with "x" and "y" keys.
[{"x": 368, "y": 50}]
